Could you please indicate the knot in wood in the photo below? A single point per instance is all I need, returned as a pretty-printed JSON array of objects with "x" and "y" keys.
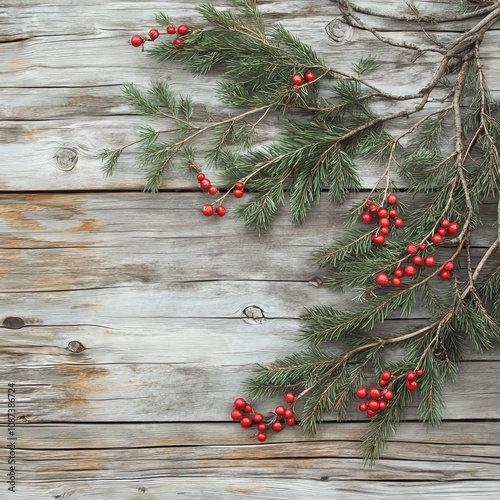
[
  {"x": 76, "y": 347},
  {"x": 254, "y": 315},
  {"x": 316, "y": 281},
  {"x": 338, "y": 30},
  {"x": 65, "y": 159},
  {"x": 13, "y": 322}
]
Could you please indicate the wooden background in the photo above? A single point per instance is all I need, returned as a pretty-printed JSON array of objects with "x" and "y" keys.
[{"x": 129, "y": 320}]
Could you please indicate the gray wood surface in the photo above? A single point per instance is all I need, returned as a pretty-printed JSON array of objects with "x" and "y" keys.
[{"x": 128, "y": 321}]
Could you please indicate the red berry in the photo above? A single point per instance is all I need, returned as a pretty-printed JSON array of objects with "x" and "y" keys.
[
  {"x": 369, "y": 202},
  {"x": 418, "y": 260},
  {"x": 182, "y": 30},
  {"x": 383, "y": 382},
  {"x": 422, "y": 246},
  {"x": 258, "y": 418},
  {"x": 388, "y": 395},
  {"x": 411, "y": 376},
  {"x": 236, "y": 415},
  {"x": 179, "y": 43},
  {"x": 290, "y": 421},
  {"x": 279, "y": 410},
  {"x": 398, "y": 222},
  {"x": 393, "y": 213},
  {"x": 396, "y": 282},
  {"x": 379, "y": 239},
  {"x": 205, "y": 183},
  {"x": 262, "y": 427},
  {"x": 382, "y": 212},
  {"x": 387, "y": 375},
  {"x": 453, "y": 228},
  {"x": 239, "y": 185},
  {"x": 200, "y": 176},
  {"x": 445, "y": 223},
  {"x": 384, "y": 222},
  {"x": 374, "y": 393},
  {"x": 208, "y": 210},
  {"x": 383, "y": 405},
  {"x": 238, "y": 193},
  {"x": 239, "y": 403},
  {"x": 419, "y": 372},
  {"x": 154, "y": 34},
  {"x": 429, "y": 261},
  {"x": 213, "y": 190},
  {"x": 442, "y": 231},
  {"x": 412, "y": 249},
  {"x": 309, "y": 76},
  {"x": 373, "y": 404},
  {"x": 449, "y": 266},
  {"x": 261, "y": 436},
  {"x": 384, "y": 231},
  {"x": 277, "y": 426},
  {"x": 366, "y": 217},
  {"x": 289, "y": 397},
  {"x": 371, "y": 413},
  {"x": 220, "y": 211},
  {"x": 382, "y": 279},
  {"x": 171, "y": 30},
  {"x": 136, "y": 41},
  {"x": 362, "y": 406},
  {"x": 436, "y": 239},
  {"x": 444, "y": 275},
  {"x": 410, "y": 270},
  {"x": 373, "y": 208},
  {"x": 361, "y": 392},
  {"x": 248, "y": 408},
  {"x": 392, "y": 199},
  {"x": 399, "y": 273},
  {"x": 411, "y": 386},
  {"x": 246, "y": 422},
  {"x": 288, "y": 413},
  {"x": 297, "y": 79}
]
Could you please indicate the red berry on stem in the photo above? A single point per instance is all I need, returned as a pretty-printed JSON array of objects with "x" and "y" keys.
[
  {"x": 154, "y": 34},
  {"x": 429, "y": 261},
  {"x": 418, "y": 260},
  {"x": 374, "y": 393},
  {"x": 449, "y": 266},
  {"x": 384, "y": 231},
  {"x": 399, "y": 273},
  {"x": 396, "y": 281},
  {"x": 373, "y": 208},
  {"x": 384, "y": 222},
  {"x": 220, "y": 211},
  {"x": 277, "y": 426},
  {"x": 297, "y": 79},
  {"x": 442, "y": 231},
  {"x": 361, "y": 392},
  {"x": 453, "y": 228},
  {"x": 422, "y": 246},
  {"x": 379, "y": 239},
  {"x": 290, "y": 421},
  {"x": 208, "y": 210},
  {"x": 387, "y": 375},
  {"x": 410, "y": 270},
  {"x": 436, "y": 239},
  {"x": 239, "y": 185},
  {"x": 239, "y": 403},
  {"x": 369, "y": 202},
  {"x": 258, "y": 418},
  {"x": 179, "y": 43},
  {"x": 200, "y": 176},
  {"x": 279, "y": 410},
  {"x": 246, "y": 422},
  {"x": 289, "y": 397},
  {"x": 371, "y": 413},
  {"x": 444, "y": 275},
  {"x": 238, "y": 193},
  {"x": 362, "y": 406},
  {"x": 171, "y": 30},
  {"x": 445, "y": 223},
  {"x": 262, "y": 427},
  {"x": 388, "y": 395},
  {"x": 205, "y": 184},
  {"x": 383, "y": 382},
  {"x": 373, "y": 404},
  {"x": 309, "y": 76},
  {"x": 383, "y": 405},
  {"x": 236, "y": 415},
  {"x": 398, "y": 222},
  {"x": 412, "y": 249},
  {"x": 382, "y": 279},
  {"x": 393, "y": 213},
  {"x": 366, "y": 217},
  {"x": 419, "y": 372},
  {"x": 261, "y": 436},
  {"x": 411, "y": 386},
  {"x": 248, "y": 408},
  {"x": 411, "y": 376},
  {"x": 288, "y": 413},
  {"x": 382, "y": 212},
  {"x": 213, "y": 190},
  {"x": 136, "y": 41},
  {"x": 182, "y": 30},
  {"x": 392, "y": 199}
]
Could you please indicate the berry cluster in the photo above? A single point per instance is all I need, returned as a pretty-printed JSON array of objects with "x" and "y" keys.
[
  {"x": 298, "y": 79},
  {"x": 181, "y": 30},
  {"x": 139, "y": 40},
  {"x": 386, "y": 217},
  {"x": 243, "y": 413},
  {"x": 411, "y": 379},
  {"x": 375, "y": 398},
  {"x": 413, "y": 249}
]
